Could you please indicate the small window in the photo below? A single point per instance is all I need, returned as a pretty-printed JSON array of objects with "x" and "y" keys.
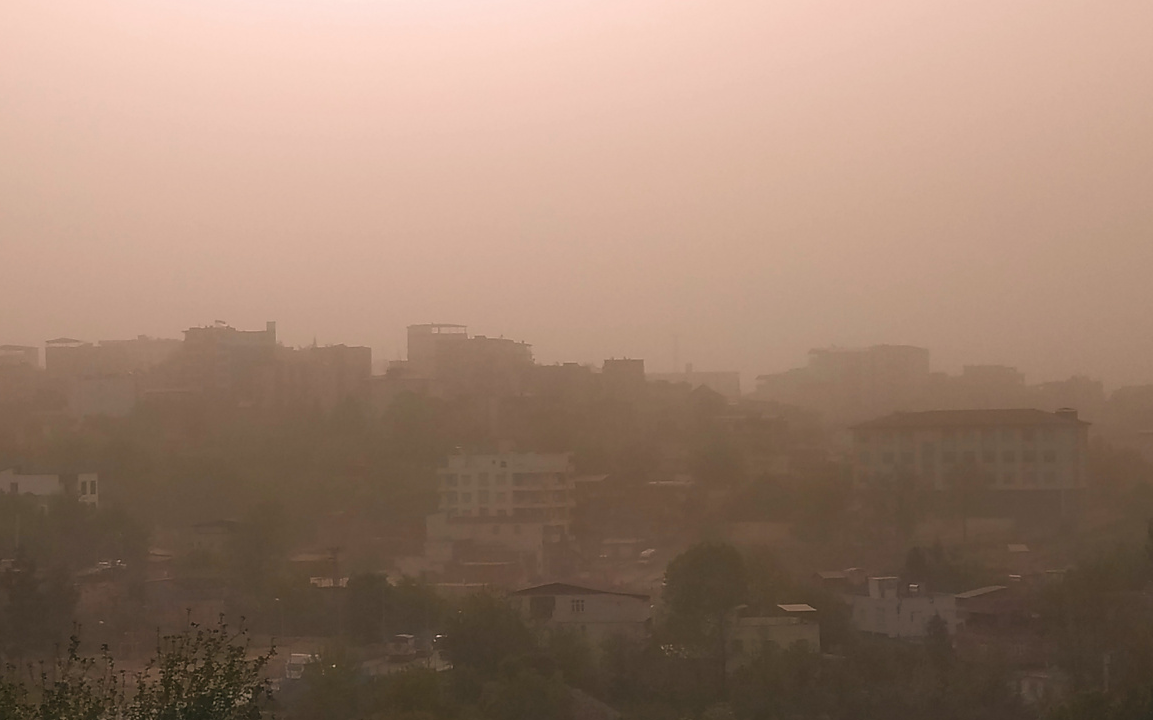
[
  {"x": 887, "y": 458},
  {"x": 465, "y": 480},
  {"x": 496, "y": 529},
  {"x": 1028, "y": 434},
  {"x": 989, "y": 456},
  {"x": 503, "y": 463},
  {"x": 1029, "y": 456},
  {"x": 484, "y": 512},
  {"x": 450, "y": 498},
  {"x": 864, "y": 456},
  {"x": 1008, "y": 434},
  {"x": 516, "y": 529},
  {"x": 906, "y": 458},
  {"x": 466, "y": 497},
  {"x": 482, "y": 479},
  {"x": 14, "y": 488},
  {"x": 578, "y": 606},
  {"x": 948, "y": 457},
  {"x": 1050, "y": 477},
  {"x": 83, "y": 487},
  {"x": 969, "y": 456},
  {"x": 1050, "y": 456},
  {"x": 450, "y": 480},
  {"x": 501, "y": 479},
  {"x": 92, "y": 487},
  {"x": 1009, "y": 456}
]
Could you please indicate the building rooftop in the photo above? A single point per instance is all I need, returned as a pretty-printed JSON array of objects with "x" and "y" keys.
[
  {"x": 972, "y": 418},
  {"x": 978, "y": 592},
  {"x": 559, "y": 588}
]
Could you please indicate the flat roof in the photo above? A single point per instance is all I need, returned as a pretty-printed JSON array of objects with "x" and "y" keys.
[
  {"x": 978, "y": 592},
  {"x": 797, "y": 607}
]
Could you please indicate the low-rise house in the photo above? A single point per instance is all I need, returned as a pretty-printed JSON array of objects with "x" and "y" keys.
[
  {"x": 784, "y": 627},
  {"x": 598, "y": 614},
  {"x": 901, "y": 611}
]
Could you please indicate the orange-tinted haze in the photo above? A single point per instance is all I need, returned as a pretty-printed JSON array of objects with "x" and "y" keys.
[{"x": 756, "y": 177}]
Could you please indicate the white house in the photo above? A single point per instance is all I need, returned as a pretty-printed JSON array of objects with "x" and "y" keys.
[
  {"x": 901, "y": 611},
  {"x": 599, "y": 614},
  {"x": 84, "y": 486}
]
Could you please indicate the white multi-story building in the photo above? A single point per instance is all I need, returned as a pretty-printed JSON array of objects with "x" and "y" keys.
[
  {"x": 1025, "y": 450},
  {"x": 84, "y": 486},
  {"x": 529, "y": 487}
]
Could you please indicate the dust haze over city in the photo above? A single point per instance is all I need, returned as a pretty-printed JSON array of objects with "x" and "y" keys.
[{"x": 567, "y": 359}]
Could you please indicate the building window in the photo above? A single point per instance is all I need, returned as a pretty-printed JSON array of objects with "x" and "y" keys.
[
  {"x": 466, "y": 497},
  {"x": 92, "y": 487},
  {"x": 1028, "y": 434},
  {"x": 484, "y": 512},
  {"x": 1010, "y": 478},
  {"x": 482, "y": 497},
  {"x": 969, "y": 456},
  {"x": 863, "y": 437},
  {"x": 482, "y": 479},
  {"x": 989, "y": 456},
  {"x": 864, "y": 457},
  {"x": 1029, "y": 456},
  {"x": 948, "y": 457},
  {"x": 887, "y": 458},
  {"x": 83, "y": 487},
  {"x": 465, "y": 480},
  {"x": 516, "y": 529},
  {"x": 578, "y": 606},
  {"x": 502, "y": 512},
  {"x": 906, "y": 458},
  {"x": 450, "y": 480},
  {"x": 450, "y": 498},
  {"x": 504, "y": 463},
  {"x": 496, "y": 529},
  {"x": 14, "y": 488},
  {"x": 501, "y": 479},
  {"x": 1050, "y": 456},
  {"x": 1050, "y": 477},
  {"x": 1009, "y": 456},
  {"x": 1008, "y": 434}
]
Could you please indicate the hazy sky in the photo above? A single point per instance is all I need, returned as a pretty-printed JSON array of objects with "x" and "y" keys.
[{"x": 757, "y": 177}]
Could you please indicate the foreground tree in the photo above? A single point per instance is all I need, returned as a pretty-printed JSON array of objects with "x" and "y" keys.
[
  {"x": 200, "y": 674},
  {"x": 702, "y": 586}
]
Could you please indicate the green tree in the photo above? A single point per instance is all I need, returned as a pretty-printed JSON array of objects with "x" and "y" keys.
[
  {"x": 485, "y": 632},
  {"x": 367, "y": 597},
  {"x": 200, "y": 674},
  {"x": 702, "y": 587}
]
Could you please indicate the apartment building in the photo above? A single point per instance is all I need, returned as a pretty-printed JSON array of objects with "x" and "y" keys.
[
  {"x": 1021, "y": 450},
  {"x": 529, "y": 487}
]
